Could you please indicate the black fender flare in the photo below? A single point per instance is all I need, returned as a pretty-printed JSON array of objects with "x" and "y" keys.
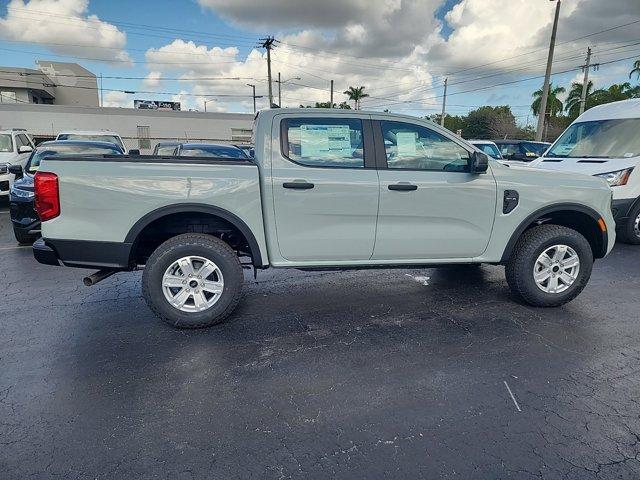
[
  {"x": 233, "y": 219},
  {"x": 557, "y": 207}
]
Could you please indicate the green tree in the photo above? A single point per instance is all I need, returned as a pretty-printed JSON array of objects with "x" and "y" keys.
[
  {"x": 572, "y": 104},
  {"x": 490, "y": 122},
  {"x": 356, "y": 94},
  {"x": 554, "y": 105},
  {"x": 615, "y": 93}
]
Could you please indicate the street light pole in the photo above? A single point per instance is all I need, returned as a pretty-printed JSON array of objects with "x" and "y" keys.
[
  {"x": 547, "y": 76},
  {"x": 254, "y": 95},
  {"x": 280, "y": 82}
]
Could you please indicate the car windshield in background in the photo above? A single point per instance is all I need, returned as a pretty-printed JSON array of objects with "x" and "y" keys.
[
  {"x": 91, "y": 138},
  {"x": 599, "y": 139},
  {"x": 537, "y": 148},
  {"x": 48, "y": 151},
  {"x": 489, "y": 149},
  {"x": 6, "y": 144},
  {"x": 212, "y": 151},
  {"x": 167, "y": 150}
]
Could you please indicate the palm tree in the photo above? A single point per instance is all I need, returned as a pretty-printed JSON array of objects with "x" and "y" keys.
[
  {"x": 636, "y": 69},
  {"x": 554, "y": 105},
  {"x": 572, "y": 104},
  {"x": 356, "y": 94}
]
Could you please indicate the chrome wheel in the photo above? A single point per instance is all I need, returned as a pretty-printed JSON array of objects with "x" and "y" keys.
[
  {"x": 556, "y": 269},
  {"x": 192, "y": 284},
  {"x": 636, "y": 226}
]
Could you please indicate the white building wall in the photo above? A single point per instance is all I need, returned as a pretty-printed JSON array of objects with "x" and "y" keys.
[{"x": 45, "y": 121}]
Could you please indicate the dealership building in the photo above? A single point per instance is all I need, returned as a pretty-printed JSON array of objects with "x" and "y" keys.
[{"x": 59, "y": 97}]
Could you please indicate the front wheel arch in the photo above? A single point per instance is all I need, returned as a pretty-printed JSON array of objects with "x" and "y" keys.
[{"x": 580, "y": 218}]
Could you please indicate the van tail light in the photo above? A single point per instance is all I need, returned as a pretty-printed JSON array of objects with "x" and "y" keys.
[{"x": 47, "y": 195}]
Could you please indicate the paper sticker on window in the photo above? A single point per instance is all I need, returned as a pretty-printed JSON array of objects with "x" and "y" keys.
[
  {"x": 325, "y": 140},
  {"x": 406, "y": 142}
]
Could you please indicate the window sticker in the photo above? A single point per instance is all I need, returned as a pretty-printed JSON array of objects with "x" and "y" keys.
[
  {"x": 407, "y": 143},
  {"x": 325, "y": 140}
]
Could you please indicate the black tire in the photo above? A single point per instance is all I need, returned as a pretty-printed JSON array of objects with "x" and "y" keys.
[
  {"x": 200, "y": 245},
  {"x": 23, "y": 237},
  {"x": 519, "y": 268},
  {"x": 629, "y": 232}
]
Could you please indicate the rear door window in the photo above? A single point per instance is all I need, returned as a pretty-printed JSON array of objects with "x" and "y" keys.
[{"x": 324, "y": 142}]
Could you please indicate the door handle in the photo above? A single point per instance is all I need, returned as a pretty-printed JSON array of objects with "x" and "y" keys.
[
  {"x": 403, "y": 187},
  {"x": 298, "y": 185}
]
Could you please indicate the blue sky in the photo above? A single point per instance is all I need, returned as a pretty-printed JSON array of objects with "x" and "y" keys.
[{"x": 400, "y": 54}]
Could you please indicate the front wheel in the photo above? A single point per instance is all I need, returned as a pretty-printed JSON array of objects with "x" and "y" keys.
[
  {"x": 630, "y": 231},
  {"x": 192, "y": 281},
  {"x": 550, "y": 266}
]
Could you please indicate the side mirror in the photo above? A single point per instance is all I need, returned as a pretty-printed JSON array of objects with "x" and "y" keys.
[
  {"x": 478, "y": 162},
  {"x": 16, "y": 170},
  {"x": 25, "y": 149},
  {"x": 134, "y": 151}
]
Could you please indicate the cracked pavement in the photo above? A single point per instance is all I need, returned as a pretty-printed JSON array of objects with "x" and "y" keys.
[{"x": 370, "y": 374}]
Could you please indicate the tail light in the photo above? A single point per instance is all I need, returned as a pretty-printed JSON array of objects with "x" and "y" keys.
[{"x": 47, "y": 195}]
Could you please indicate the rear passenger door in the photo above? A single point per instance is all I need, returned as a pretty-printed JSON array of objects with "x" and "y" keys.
[
  {"x": 325, "y": 187},
  {"x": 431, "y": 206}
]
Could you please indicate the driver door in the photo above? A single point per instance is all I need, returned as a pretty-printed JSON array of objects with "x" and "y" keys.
[{"x": 431, "y": 207}]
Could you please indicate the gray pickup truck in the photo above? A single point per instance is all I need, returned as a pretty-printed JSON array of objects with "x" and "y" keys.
[{"x": 327, "y": 189}]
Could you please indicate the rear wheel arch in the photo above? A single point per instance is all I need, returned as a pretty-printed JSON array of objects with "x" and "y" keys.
[
  {"x": 209, "y": 212},
  {"x": 578, "y": 217}
]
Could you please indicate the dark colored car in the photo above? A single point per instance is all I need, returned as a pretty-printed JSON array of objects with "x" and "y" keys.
[
  {"x": 165, "y": 148},
  {"x": 26, "y": 224},
  {"x": 210, "y": 150},
  {"x": 522, "y": 150},
  {"x": 248, "y": 149}
]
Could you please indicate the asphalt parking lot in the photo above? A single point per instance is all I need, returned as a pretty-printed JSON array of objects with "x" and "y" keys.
[{"x": 371, "y": 374}]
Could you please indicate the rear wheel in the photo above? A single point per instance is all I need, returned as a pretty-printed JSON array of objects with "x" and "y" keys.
[
  {"x": 630, "y": 231},
  {"x": 550, "y": 266},
  {"x": 192, "y": 281}
]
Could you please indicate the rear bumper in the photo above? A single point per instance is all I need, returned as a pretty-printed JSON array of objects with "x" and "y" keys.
[{"x": 83, "y": 253}]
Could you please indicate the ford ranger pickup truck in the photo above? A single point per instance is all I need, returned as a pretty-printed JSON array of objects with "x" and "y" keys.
[{"x": 327, "y": 189}]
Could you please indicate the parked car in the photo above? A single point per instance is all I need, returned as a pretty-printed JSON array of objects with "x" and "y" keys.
[
  {"x": 488, "y": 147},
  {"x": 248, "y": 149},
  {"x": 605, "y": 141},
  {"x": 165, "y": 148},
  {"x": 521, "y": 150},
  {"x": 326, "y": 190},
  {"x": 216, "y": 150},
  {"x": 15, "y": 148},
  {"x": 26, "y": 224},
  {"x": 93, "y": 136}
]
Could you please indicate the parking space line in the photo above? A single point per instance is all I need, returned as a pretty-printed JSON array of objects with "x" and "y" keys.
[
  {"x": 515, "y": 402},
  {"x": 15, "y": 246}
]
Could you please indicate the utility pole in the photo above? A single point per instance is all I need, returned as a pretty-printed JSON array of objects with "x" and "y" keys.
[
  {"x": 331, "y": 98},
  {"x": 444, "y": 102},
  {"x": 585, "y": 81},
  {"x": 101, "y": 102},
  {"x": 268, "y": 44},
  {"x": 279, "y": 91},
  {"x": 547, "y": 76},
  {"x": 254, "y": 95}
]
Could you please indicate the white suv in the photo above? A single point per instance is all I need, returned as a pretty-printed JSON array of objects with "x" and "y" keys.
[{"x": 15, "y": 148}]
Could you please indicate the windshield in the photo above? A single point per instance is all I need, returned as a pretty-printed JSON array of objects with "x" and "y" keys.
[
  {"x": 489, "y": 149},
  {"x": 599, "y": 139},
  {"x": 91, "y": 138},
  {"x": 537, "y": 148},
  {"x": 166, "y": 149},
  {"x": 212, "y": 151},
  {"x": 44, "y": 151},
  {"x": 6, "y": 144}
]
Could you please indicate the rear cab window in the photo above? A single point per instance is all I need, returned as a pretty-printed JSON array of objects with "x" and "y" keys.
[{"x": 324, "y": 142}]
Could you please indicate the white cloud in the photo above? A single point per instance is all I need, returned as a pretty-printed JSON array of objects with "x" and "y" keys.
[
  {"x": 153, "y": 80},
  {"x": 117, "y": 99},
  {"x": 66, "y": 27}
]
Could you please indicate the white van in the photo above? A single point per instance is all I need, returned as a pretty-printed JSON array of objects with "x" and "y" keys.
[{"x": 605, "y": 142}]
